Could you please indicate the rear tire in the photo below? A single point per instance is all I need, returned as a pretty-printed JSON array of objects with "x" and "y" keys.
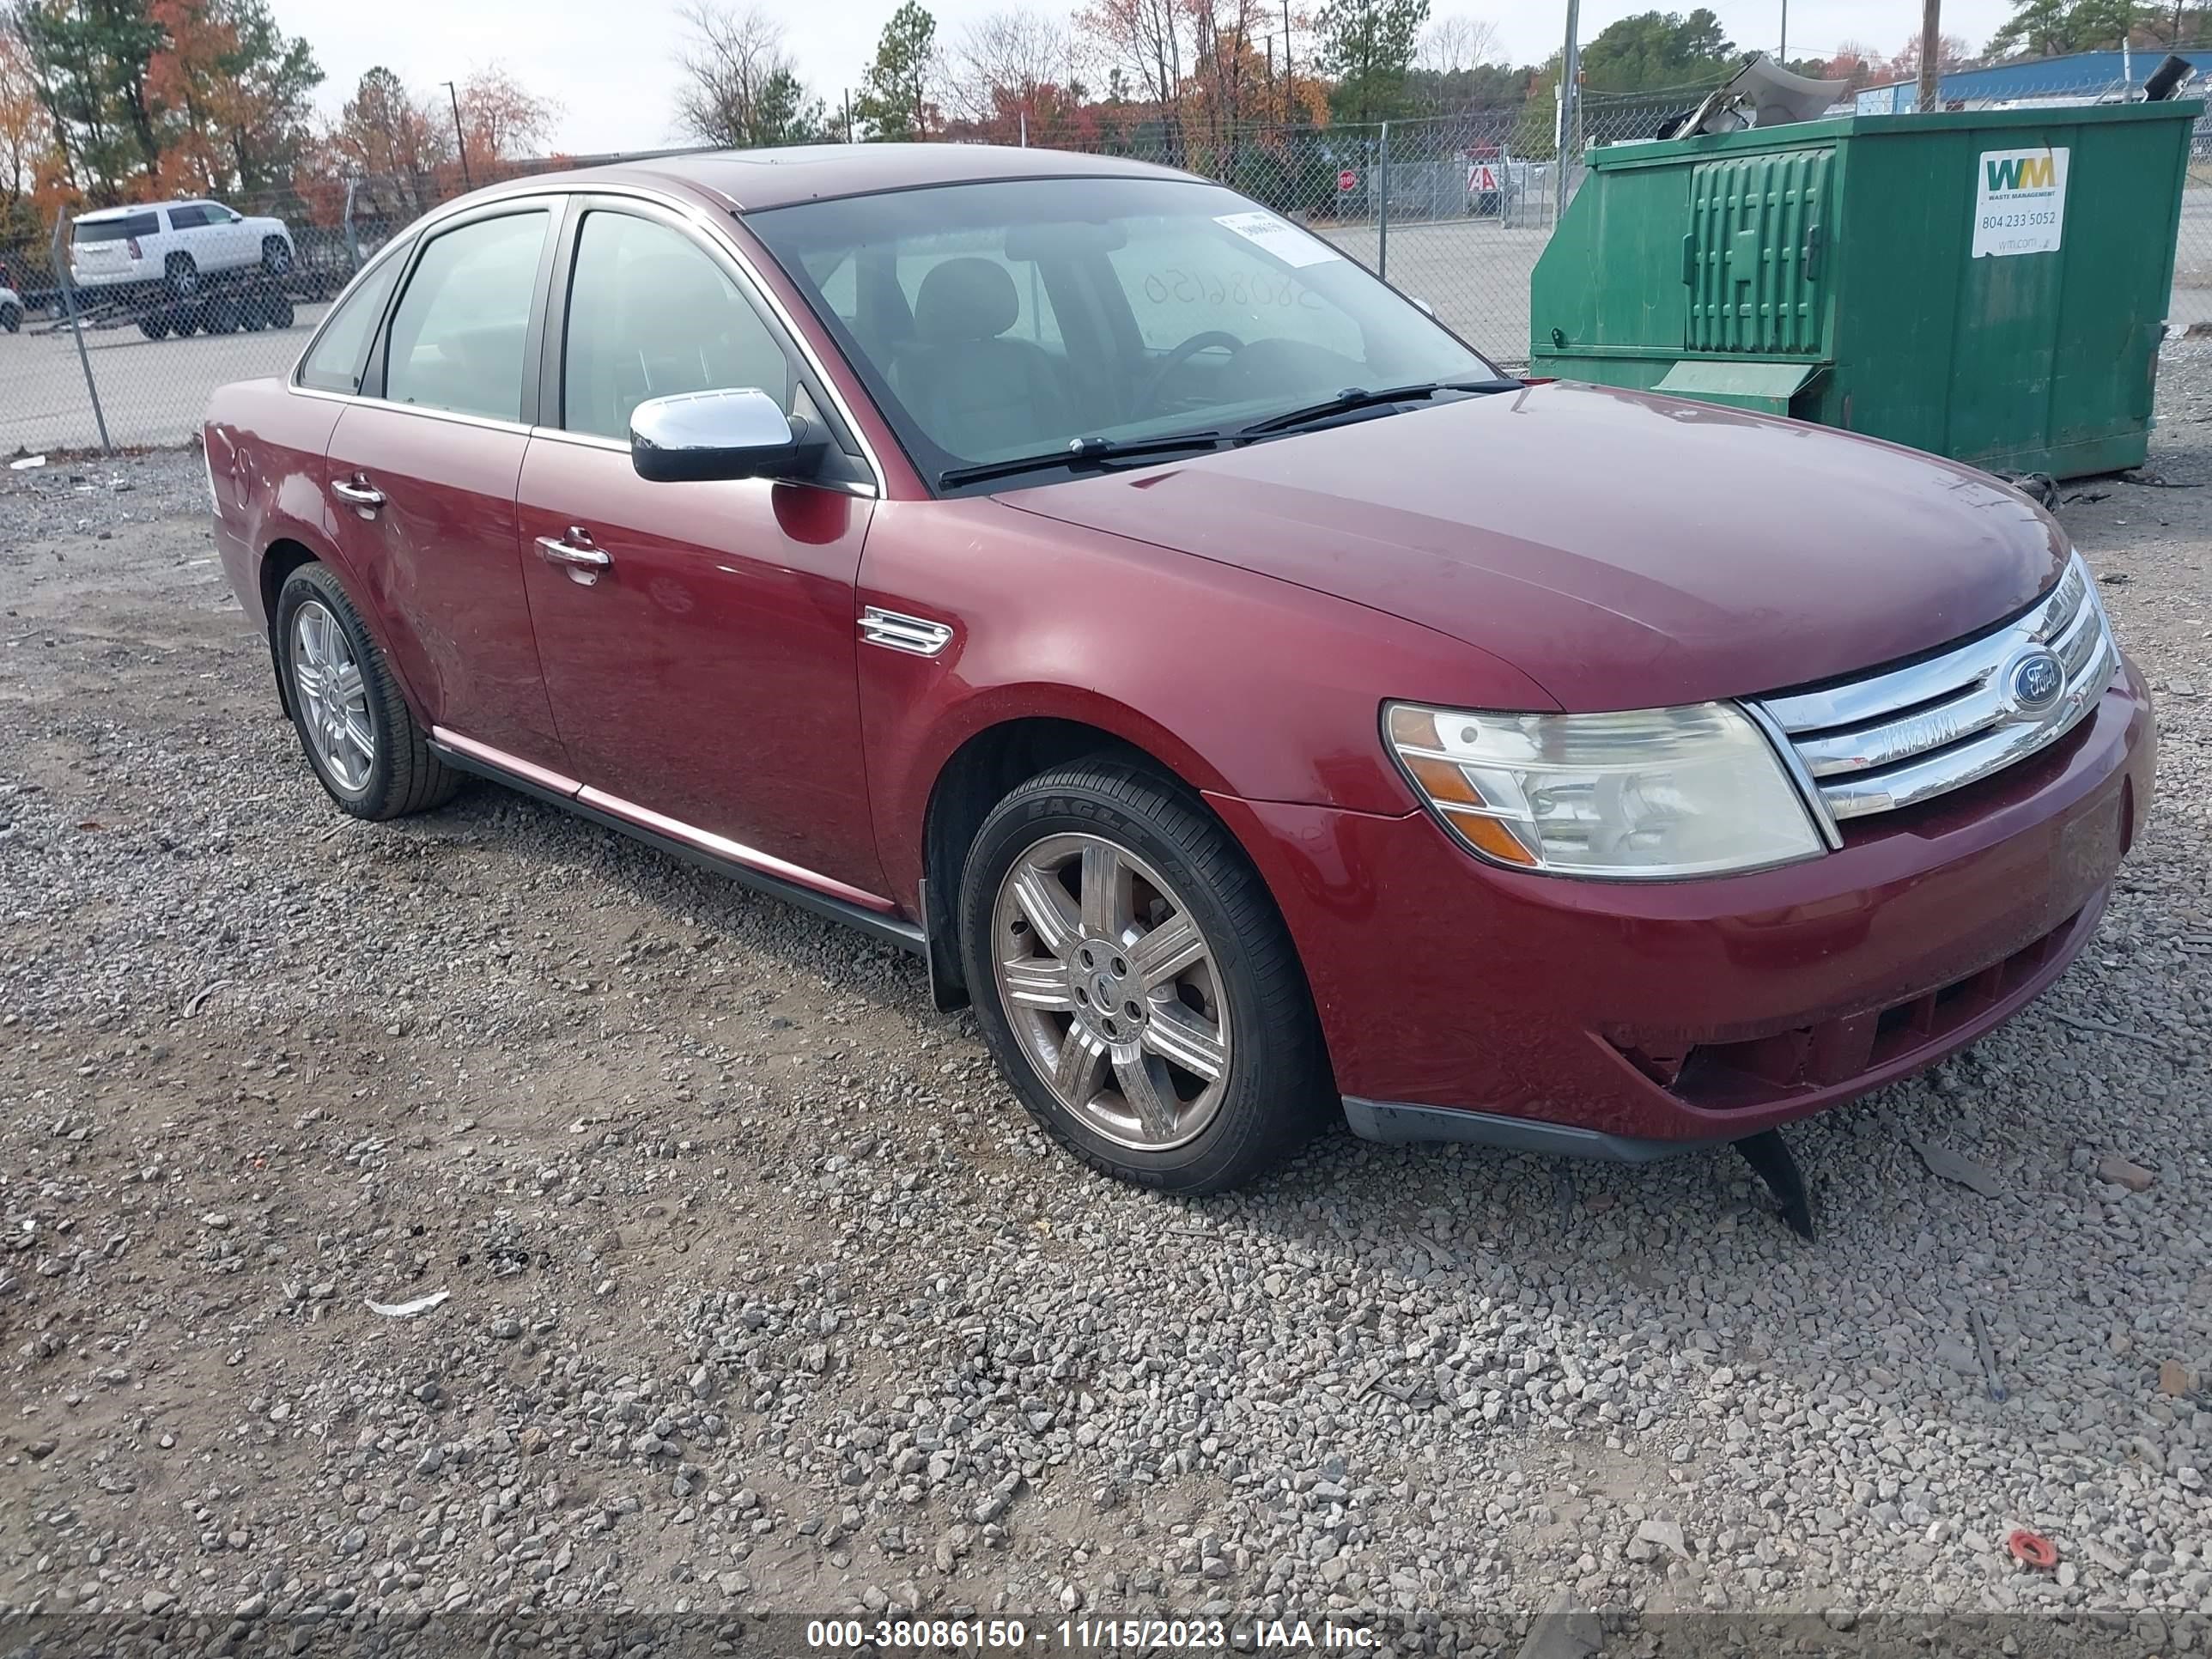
[
  {"x": 1191, "y": 1079},
  {"x": 181, "y": 275},
  {"x": 277, "y": 310},
  {"x": 220, "y": 316},
  {"x": 360, "y": 737},
  {"x": 155, "y": 327},
  {"x": 275, "y": 255},
  {"x": 11, "y": 319}
]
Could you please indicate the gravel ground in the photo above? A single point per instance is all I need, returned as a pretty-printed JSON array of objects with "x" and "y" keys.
[{"x": 765, "y": 1297}]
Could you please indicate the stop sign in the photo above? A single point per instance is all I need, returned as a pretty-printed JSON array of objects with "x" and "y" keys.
[{"x": 1347, "y": 179}]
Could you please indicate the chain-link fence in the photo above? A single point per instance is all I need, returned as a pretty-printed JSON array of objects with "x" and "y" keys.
[{"x": 1452, "y": 209}]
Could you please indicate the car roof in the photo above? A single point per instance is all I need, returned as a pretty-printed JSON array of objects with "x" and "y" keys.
[
  {"x": 757, "y": 179},
  {"x": 130, "y": 208}
]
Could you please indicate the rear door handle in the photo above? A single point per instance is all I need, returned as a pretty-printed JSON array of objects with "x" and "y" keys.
[
  {"x": 573, "y": 555},
  {"x": 359, "y": 494}
]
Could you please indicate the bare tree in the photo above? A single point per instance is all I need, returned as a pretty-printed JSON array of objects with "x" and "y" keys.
[
  {"x": 1146, "y": 40},
  {"x": 741, "y": 88},
  {"x": 1004, "y": 61},
  {"x": 1452, "y": 43}
]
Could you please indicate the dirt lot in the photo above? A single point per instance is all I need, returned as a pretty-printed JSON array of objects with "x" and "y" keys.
[{"x": 764, "y": 1295}]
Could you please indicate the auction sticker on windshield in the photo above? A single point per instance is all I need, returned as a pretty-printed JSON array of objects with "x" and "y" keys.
[
  {"x": 1279, "y": 238},
  {"x": 2020, "y": 202}
]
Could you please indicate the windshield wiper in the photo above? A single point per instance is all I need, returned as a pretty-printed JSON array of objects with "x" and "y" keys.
[
  {"x": 1082, "y": 452},
  {"x": 1357, "y": 398}
]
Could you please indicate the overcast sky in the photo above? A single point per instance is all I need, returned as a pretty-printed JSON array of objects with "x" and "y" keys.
[{"x": 609, "y": 66}]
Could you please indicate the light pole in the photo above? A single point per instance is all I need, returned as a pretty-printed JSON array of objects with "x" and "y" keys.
[
  {"x": 1782, "y": 52},
  {"x": 460, "y": 144}
]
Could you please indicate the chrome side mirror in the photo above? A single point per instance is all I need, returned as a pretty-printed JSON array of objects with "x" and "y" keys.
[
  {"x": 701, "y": 435},
  {"x": 1422, "y": 306}
]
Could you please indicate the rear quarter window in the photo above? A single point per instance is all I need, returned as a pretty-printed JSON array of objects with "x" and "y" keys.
[{"x": 334, "y": 363}]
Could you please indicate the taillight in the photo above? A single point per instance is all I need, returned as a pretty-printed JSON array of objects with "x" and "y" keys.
[{"x": 133, "y": 243}]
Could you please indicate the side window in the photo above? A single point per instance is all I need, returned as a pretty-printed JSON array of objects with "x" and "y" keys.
[
  {"x": 1033, "y": 318},
  {"x": 1183, "y": 276},
  {"x": 458, "y": 337},
  {"x": 652, "y": 315},
  {"x": 187, "y": 218}
]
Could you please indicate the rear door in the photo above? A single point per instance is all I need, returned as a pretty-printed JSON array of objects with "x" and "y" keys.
[
  {"x": 423, "y": 471},
  {"x": 702, "y": 663}
]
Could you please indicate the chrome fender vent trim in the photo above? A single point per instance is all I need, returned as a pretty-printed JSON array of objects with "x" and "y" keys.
[{"x": 916, "y": 635}]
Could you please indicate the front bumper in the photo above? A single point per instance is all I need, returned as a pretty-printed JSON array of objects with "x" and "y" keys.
[{"x": 1695, "y": 1012}]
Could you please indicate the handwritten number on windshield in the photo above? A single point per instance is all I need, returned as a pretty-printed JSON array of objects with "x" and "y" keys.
[{"x": 1241, "y": 288}]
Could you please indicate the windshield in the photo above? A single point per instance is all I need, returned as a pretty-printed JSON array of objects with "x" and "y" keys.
[{"x": 1000, "y": 320}]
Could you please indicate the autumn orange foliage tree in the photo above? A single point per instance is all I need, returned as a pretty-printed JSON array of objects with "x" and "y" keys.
[
  {"x": 503, "y": 121},
  {"x": 143, "y": 98},
  {"x": 235, "y": 95}
]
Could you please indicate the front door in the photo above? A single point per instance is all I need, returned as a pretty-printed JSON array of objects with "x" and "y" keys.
[
  {"x": 699, "y": 638},
  {"x": 422, "y": 474}
]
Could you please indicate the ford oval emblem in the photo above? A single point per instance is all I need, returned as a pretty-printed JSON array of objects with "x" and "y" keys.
[{"x": 2037, "y": 679}]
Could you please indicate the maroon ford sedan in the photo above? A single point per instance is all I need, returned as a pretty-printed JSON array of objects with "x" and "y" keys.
[{"x": 1260, "y": 706}]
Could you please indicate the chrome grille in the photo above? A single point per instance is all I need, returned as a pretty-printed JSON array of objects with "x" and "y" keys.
[{"x": 1911, "y": 734}]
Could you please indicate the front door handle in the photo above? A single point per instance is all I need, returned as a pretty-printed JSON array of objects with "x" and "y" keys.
[
  {"x": 359, "y": 494},
  {"x": 574, "y": 555}
]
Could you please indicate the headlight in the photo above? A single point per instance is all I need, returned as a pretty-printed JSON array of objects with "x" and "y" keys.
[{"x": 1648, "y": 793}]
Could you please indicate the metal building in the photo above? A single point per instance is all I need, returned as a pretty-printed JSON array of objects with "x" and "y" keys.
[{"x": 2076, "y": 75}]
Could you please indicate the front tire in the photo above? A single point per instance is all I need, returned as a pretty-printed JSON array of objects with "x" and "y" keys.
[
  {"x": 360, "y": 736},
  {"x": 11, "y": 319},
  {"x": 1135, "y": 983}
]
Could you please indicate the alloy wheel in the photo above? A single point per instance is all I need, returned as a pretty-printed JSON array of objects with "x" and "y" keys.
[
  {"x": 333, "y": 699},
  {"x": 1112, "y": 989}
]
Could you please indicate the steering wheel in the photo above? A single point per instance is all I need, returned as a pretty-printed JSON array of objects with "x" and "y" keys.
[{"x": 1211, "y": 339}]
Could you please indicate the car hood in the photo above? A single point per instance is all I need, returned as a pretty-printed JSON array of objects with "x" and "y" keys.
[{"x": 1623, "y": 551}]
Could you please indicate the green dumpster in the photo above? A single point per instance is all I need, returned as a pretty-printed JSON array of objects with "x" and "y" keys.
[{"x": 1988, "y": 284}]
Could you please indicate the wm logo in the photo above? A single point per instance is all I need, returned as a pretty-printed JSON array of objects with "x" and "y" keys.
[{"x": 2021, "y": 172}]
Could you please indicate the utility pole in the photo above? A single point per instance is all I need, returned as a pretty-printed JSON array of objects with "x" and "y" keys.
[
  {"x": 1571, "y": 91},
  {"x": 1932, "y": 48},
  {"x": 460, "y": 144},
  {"x": 1287, "y": 84},
  {"x": 1782, "y": 52}
]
